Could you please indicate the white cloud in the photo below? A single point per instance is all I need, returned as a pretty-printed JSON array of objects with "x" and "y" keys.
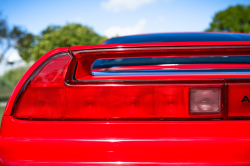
[
  {"x": 119, "y": 5},
  {"x": 129, "y": 30}
]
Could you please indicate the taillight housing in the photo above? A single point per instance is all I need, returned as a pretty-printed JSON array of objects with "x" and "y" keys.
[
  {"x": 48, "y": 94},
  {"x": 43, "y": 96}
]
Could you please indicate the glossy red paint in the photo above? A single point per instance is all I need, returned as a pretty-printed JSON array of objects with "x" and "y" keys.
[
  {"x": 207, "y": 142},
  {"x": 124, "y": 143}
]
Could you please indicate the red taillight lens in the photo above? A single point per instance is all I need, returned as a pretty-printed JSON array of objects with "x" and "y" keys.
[
  {"x": 205, "y": 100},
  {"x": 126, "y": 102},
  {"x": 117, "y": 101},
  {"x": 53, "y": 74},
  {"x": 239, "y": 99},
  {"x": 150, "y": 101},
  {"x": 44, "y": 96}
]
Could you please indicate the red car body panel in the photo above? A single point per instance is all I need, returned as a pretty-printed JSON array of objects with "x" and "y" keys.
[
  {"x": 125, "y": 143},
  {"x": 207, "y": 142}
]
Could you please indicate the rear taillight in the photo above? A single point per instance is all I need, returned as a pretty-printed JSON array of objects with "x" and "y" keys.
[
  {"x": 119, "y": 101},
  {"x": 48, "y": 94},
  {"x": 205, "y": 100},
  {"x": 43, "y": 97},
  {"x": 151, "y": 101},
  {"x": 53, "y": 73}
]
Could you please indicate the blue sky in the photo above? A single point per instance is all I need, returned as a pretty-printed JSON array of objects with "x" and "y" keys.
[{"x": 112, "y": 17}]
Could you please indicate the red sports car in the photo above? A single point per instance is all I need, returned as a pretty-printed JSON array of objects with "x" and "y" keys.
[{"x": 154, "y": 99}]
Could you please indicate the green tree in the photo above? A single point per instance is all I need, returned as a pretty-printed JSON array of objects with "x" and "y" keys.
[
  {"x": 9, "y": 80},
  {"x": 14, "y": 75},
  {"x": 11, "y": 37},
  {"x": 57, "y": 36},
  {"x": 233, "y": 19}
]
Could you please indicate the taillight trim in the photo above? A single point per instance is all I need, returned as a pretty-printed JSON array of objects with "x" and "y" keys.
[{"x": 140, "y": 81}]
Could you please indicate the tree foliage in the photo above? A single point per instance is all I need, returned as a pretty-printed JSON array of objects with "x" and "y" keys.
[
  {"x": 11, "y": 37},
  {"x": 10, "y": 78},
  {"x": 233, "y": 19},
  {"x": 57, "y": 36},
  {"x": 3, "y": 28}
]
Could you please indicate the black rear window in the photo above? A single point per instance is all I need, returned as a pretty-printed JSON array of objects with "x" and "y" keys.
[
  {"x": 107, "y": 63},
  {"x": 179, "y": 37}
]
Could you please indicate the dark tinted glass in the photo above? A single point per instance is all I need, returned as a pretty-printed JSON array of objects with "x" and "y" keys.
[
  {"x": 179, "y": 37},
  {"x": 107, "y": 63},
  {"x": 172, "y": 72}
]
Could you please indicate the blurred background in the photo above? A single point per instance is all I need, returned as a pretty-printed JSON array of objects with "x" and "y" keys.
[{"x": 29, "y": 29}]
